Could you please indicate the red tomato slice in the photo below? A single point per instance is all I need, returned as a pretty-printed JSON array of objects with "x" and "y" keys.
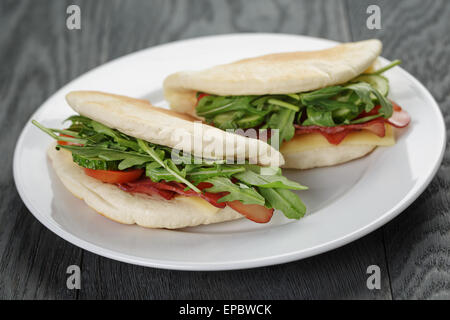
[
  {"x": 110, "y": 176},
  {"x": 254, "y": 212},
  {"x": 66, "y": 143}
]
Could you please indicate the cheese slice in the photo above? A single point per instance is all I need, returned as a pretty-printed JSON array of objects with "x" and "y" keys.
[
  {"x": 309, "y": 141},
  {"x": 203, "y": 206}
]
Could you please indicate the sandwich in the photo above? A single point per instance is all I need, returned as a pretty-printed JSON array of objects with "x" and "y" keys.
[
  {"x": 138, "y": 164},
  {"x": 322, "y": 107}
]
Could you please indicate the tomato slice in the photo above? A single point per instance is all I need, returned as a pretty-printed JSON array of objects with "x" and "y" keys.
[
  {"x": 110, "y": 176},
  {"x": 66, "y": 143},
  {"x": 254, "y": 212}
]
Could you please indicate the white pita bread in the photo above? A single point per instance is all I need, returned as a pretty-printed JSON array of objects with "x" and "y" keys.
[
  {"x": 139, "y": 119},
  {"x": 151, "y": 212},
  {"x": 323, "y": 157},
  {"x": 279, "y": 73}
]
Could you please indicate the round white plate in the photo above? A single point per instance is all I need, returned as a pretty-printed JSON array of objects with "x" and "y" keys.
[{"x": 344, "y": 202}]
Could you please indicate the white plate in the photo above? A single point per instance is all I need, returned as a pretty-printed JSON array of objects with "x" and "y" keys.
[{"x": 344, "y": 202}]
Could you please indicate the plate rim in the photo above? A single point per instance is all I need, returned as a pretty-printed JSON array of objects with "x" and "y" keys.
[{"x": 409, "y": 198}]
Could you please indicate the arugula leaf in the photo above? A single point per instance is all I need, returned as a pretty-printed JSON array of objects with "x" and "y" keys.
[
  {"x": 51, "y": 133},
  {"x": 333, "y": 105},
  {"x": 363, "y": 90},
  {"x": 244, "y": 194},
  {"x": 284, "y": 104},
  {"x": 325, "y": 93},
  {"x": 389, "y": 66},
  {"x": 78, "y": 119},
  {"x": 100, "y": 128},
  {"x": 365, "y": 119},
  {"x": 268, "y": 181},
  {"x": 283, "y": 120},
  {"x": 210, "y": 106},
  {"x": 144, "y": 146},
  {"x": 157, "y": 173},
  {"x": 227, "y": 120},
  {"x": 386, "y": 106},
  {"x": 129, "y": 159},
  {"x": 318, "y": 116},
  {"x": 200, "y": 174},
  {"x": 285, "y": 201}
]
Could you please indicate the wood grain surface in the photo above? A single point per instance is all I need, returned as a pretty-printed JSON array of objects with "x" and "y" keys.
[
  {"x": 418, "y": 241},
  {"x": 38, "y": 55}
]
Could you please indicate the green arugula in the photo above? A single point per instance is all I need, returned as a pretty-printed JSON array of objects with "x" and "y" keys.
[
  {"x": 166, "y": 164},
  {"x": 268, "y": 181},
  {"x": 327, "y": 107},
  {"x": 200, "y": 174},
  {"x": 284, "y": 200},
  {"x": 246, "y": 195}
]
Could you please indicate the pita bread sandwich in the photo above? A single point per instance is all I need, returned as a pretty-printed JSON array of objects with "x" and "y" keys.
[
  {"x": 324, "y": 107},
  {"x": 138, "y": 164}
]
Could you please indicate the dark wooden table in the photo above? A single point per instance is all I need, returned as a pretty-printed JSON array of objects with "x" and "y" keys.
[{"x": 38, "y": 55}]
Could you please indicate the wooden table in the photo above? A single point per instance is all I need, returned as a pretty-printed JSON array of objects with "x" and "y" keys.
[{"x": 39, "y": 55}]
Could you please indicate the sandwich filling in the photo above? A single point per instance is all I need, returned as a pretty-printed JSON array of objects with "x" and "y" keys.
[
  {"x": 137, "y": 166},
  {"x": 333, "y": 112}
]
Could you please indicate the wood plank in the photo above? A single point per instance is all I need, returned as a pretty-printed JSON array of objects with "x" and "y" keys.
[
  {"x": 418, "y": 241},
  {"x": 339, "y": 274},
  {"x": 33, "y": 260}
]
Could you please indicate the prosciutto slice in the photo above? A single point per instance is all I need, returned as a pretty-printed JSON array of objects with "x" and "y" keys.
[
  {"x": 168, "y": 190},
  {"x": 399, "y": 119},
  {"x": 336, "y": 134}
]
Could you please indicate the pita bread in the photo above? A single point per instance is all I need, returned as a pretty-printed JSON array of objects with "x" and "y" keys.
[
  {"x": 139, "y": 119},
  {"x": 120, "y": 206},
  {"x": 279, "y": 73},
  {"x": 323, "y": 157}
]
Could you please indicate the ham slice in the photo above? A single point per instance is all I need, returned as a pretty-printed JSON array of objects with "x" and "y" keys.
[
  {"x": 336, "y": 134},
  {"x": 399, "y": 119},
  {"x": 169, "y": 189}
]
